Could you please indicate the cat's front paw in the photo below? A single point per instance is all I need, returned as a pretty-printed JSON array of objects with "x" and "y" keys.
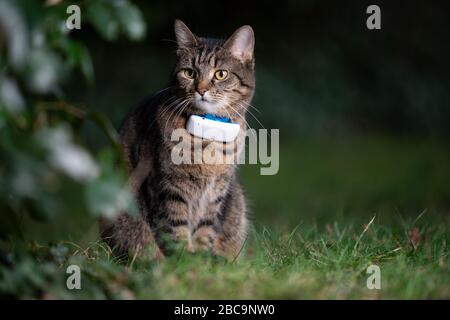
[
  {"x": 204, "y": 239},
  {"x": 183, "y": 238}
]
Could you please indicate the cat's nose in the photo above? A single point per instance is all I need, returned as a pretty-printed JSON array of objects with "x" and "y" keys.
[{"x": 201, "y": 90}]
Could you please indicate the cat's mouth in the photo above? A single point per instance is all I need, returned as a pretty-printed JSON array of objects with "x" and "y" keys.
[{"x": 206, "y": 103}]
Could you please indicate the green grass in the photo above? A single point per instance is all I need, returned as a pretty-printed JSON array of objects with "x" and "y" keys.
[
  {"x": 309, "y": 262},
  {"x": 311, "y": 237}
]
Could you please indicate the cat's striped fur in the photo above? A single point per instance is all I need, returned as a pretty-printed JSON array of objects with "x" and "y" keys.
[{"x": 201, "y": 206}]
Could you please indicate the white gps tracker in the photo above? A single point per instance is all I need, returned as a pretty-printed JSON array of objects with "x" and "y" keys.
[{"x": 212, "y": 127}]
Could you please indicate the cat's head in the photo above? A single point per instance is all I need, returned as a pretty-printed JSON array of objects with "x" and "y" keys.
[{"x": 215, "y": 76}]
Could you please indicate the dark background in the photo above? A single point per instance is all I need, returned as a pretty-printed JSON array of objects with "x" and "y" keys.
[
  {"x": 319, "y": 68},
  {"x": 363, "y": 114}
]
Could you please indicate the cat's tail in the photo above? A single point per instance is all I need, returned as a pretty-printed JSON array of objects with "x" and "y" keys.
[{"x": 131, "y": 235}]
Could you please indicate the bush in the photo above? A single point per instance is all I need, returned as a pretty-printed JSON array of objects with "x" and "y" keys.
[{"x": 51, "y": 182}]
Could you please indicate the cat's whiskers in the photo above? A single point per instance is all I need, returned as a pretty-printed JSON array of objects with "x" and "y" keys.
[
  {"x": 169, "y": 106},
  {"x": 164, "y": 107},
  {"x": 181, "y": 107},
  {"x": 165, "y": 89},
  {"x": 243, "y": 104},
  {"x": 239, "y": 115},
  {"x": 188, "y": 99},
  {"x": 228, "y": 104},
  {"x": 253, "y": 116},
  {"x": 169, "y": 99},
  {"x": 176, "y": 113},
  {"x": 173, "y": 111},
  {"x": 251, "y": 106}
]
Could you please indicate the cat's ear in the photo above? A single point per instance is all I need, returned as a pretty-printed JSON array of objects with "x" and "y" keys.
[
  {"x": 242, "y": 43},
  {"x": 184, "y": 36}
]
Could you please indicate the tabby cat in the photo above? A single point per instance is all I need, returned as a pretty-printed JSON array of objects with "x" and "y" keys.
[{"x": 201, "y": 206}]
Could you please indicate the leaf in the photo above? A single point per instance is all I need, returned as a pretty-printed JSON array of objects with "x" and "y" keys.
[
  {"x": 109, "y": 195},
  {"x": 10, "y": 95},
  {"x": 14, "y": 29},
  {"x": 102, "y": 18},
  {"x": 44, "y": 70},
  {"x": 131, "y": 19},
  {"x": 86, "y": 65},
  {"x": 78, "y": 56}
]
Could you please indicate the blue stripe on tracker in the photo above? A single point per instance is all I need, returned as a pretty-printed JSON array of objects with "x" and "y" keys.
[{"x": 213, "y": 117}]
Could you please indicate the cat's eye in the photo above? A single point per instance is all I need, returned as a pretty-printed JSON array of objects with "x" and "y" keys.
[
  {"x": 221, "y": 74},
  {"x": 189, "y": 73}
]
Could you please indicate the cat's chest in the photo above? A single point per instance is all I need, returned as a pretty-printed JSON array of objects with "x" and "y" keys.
[{"x": 205, "y": 197}]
